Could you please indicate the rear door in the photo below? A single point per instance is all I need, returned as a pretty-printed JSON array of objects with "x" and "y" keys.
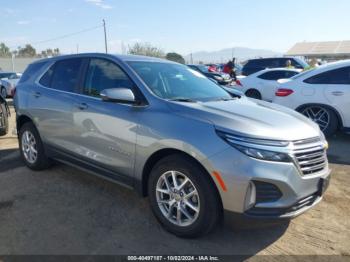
[
  {"x": 52, "y": 103},
  {"x": 335, "y": 85},
  {"x": 268, "y": 83},
  {"x": 107, "y": 131}
]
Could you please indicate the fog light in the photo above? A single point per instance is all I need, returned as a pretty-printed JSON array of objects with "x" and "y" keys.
[{"x": 250, "y": 196}]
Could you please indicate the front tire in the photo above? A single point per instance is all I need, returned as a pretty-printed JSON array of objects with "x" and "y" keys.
[
  {"x": 32, "y": 149},
  {"x": 326, "y": 118},
  {"x": 182, "y": 197}
]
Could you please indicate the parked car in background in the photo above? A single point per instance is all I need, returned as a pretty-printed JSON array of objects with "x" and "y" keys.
[
  {"x": 238, "y": 68},
  {"x": 212, "y": 67},
  {"x": 255, "y": 65},
  {"x": 4, "y": 115},
  {"x": 5, "y": 75},
  {"x": 174, "y": 136},
  {"x": 221, "y": 78},
  {"x": 321, "y": 94},
  {"x": 262, "y": 84},
  {"x": 9, "y": 84}
]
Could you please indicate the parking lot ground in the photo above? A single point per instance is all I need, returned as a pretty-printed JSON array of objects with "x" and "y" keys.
[{"x": 66, "y": 211}]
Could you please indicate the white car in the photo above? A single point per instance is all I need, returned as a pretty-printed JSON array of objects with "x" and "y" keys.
[
  {"x": 8, "y": 84},
  {"x": 263, "y": 84},
  {"x": 322, "y": 94}
]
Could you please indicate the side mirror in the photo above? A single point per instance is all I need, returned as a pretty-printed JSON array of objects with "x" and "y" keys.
[{"x": 118, "y": 95}]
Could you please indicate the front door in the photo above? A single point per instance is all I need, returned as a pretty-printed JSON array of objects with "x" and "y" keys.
[{"x": 107, "y": 131}]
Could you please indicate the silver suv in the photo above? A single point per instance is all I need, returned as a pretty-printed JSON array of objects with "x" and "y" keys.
[{"x": 194, "y": 148}]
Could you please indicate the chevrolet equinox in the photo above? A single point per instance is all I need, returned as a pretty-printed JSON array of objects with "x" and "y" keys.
[{"x": 194, "y": 148}]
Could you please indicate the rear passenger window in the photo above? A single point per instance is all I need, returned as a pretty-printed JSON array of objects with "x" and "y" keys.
[
  {"x": 46, "y": 78},
  {"x": 340, "y": 76},
  {"x": 66, "y": 74},
  {"x": 273, "y": 75},
  {"x": 30, "y": 71},
  {"x": 103, "y": 74}
]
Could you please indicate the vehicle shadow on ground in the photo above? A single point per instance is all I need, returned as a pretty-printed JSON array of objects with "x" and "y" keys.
[
  {"x": 10, "y": 159},
  {"x": 128, "y": 226},
  {"x": 339, "y": 149}
]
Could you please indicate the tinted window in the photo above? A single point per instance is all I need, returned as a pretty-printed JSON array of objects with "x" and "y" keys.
[
  {"x": 30, "y": 71},
  {"x": 46, "y": 78},
  {"x": 66, "y": 74},
  {"x": 273, "y": 75},
  {"x": 340, "y": 76},
  {"x": 103, "y": 74},
  {"x": 5, "y": 75},
  {"x": 289, "y": 74}
]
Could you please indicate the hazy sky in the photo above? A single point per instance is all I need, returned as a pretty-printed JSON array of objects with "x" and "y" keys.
[{"x": 174, "y": 25}]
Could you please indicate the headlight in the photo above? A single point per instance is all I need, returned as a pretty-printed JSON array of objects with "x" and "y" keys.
[
  {"x": 252, "y": 147},
  {"x": 263, "y": 154}
]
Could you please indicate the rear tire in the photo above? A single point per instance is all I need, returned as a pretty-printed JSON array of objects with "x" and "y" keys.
[
  {"x": 32, "y": 149},
  {"x": 4, "y": 120},
  {"x": 195, "y": 221},
  {"x": 326, "y": 118},
  {"x": 253, "y": 93}
]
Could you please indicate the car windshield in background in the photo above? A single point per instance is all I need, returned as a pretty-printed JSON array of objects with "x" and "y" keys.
[
  {"x": 203, "y": 68},
  {"x": 178, "y": 82},
  {"x": 5, "y": 75},
  {"x": 302, "y": 62}
]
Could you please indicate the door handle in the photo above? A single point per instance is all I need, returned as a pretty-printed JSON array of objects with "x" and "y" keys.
[
  {"x": 337, "y": 93},
  {"x": 36, "y": 94},
  {"x": 81, "y": 106}
]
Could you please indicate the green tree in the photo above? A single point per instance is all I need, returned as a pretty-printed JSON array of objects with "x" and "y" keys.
[
  {"x": 175, "y": 57},
  {"x": 27, "y": 51},
  {"x": 146, "y": 49},
  {"x": 4, "y": 50}
]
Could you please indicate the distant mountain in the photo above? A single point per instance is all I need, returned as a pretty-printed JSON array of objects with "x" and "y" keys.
[{"x": 241, "y": 54}]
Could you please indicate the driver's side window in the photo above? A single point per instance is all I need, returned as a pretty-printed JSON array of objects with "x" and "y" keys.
[{"x": 104, "y": 74}]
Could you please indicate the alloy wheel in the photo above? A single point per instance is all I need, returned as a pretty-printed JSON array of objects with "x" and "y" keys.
[
  {"x": 29, "y": 147},
  {"x": 319, "y": 115},
  {"x": 177, "y": 198}
]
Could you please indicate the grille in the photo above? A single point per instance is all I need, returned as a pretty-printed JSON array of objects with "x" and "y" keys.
[
  {"x": 276, "y": 212},
  {"x": 266, "y": 192},
  {"x": 311, "y": 161},
  {"x": 310, "y": 155}
]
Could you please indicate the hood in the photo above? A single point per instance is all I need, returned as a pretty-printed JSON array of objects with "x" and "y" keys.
[{"x": 250, "y": 117}]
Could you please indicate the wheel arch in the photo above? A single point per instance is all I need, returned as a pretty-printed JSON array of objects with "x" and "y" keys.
[
  {"x": 21, "y": 120},
  {"x": 339, "y": 118},
  {"x": 157, "y": 156},
  {"x": 252, "y": 89}
]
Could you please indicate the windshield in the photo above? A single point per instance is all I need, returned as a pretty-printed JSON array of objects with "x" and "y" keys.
[
  {"x": 174, "y": 81},
  {"x": 5, "y": 75},
  {"x": 302, "y": 62}
]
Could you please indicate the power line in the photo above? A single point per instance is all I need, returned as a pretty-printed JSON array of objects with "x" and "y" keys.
[{"x": 65, "y": 36}]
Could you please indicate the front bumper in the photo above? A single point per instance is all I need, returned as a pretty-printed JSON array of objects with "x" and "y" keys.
[{"x": 298, "y": 192}]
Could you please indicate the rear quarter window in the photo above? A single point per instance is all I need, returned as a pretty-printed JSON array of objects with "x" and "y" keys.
[{"x": 31, "y": 70}]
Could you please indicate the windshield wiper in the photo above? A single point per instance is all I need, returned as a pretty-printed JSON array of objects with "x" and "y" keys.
[{"x": 183, "y": 99}]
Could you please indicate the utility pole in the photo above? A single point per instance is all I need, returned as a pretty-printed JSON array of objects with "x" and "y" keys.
[
  {"x": 191, "y": 59},
  {"x": 13, "y": 62},
  {"x": 104, "y": 28},
  {"x": 77, "y": 48}
]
